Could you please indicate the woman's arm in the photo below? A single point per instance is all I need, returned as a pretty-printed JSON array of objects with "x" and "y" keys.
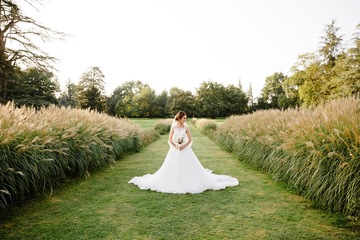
[
  {"x": 171, "y": 135},
  {"x": 189, "y": 139}
]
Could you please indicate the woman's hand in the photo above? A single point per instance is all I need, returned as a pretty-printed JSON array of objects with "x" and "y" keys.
[{"x": 182, "y": 147}]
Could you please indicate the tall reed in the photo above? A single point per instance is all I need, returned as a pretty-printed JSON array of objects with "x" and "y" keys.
[
  {"x": 206, "y": 126},
  {"x": 39, "y": 149},
  {"x": 163, "y": 126},
  {"x": 314, "y": 150}
]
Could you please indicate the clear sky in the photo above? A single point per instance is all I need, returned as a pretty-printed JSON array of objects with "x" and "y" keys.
[{"x": 168, "y": 43}]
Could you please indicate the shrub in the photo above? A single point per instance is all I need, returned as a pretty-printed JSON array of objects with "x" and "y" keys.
[
  {"x": 39, "y": 149},
  {"x": 315, "y": 151},
  {"x": 206, "y": 126},
  {"x": 148, "y": 136},
  {"x": 163, "y": 126}
]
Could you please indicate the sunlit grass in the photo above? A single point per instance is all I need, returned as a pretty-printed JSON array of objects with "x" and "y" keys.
[{"x": 145, "y": 122}]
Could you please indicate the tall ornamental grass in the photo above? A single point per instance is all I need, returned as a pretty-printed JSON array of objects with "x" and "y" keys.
[
  {"x": 163, "y": 125},
  {"x": 206, "y": 126},
  {"x": 39, "y": 149},
  {"x": 314, "y": 150}
]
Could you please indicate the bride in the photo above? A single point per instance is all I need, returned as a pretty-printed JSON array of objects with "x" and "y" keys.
[{"x": 181, "y": 171}]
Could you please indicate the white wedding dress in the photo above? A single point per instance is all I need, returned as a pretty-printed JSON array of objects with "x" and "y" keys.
[{"x": 182, "y": 172}]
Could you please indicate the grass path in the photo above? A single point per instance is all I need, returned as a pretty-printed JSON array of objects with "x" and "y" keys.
[{"x": 105, "y": 206}]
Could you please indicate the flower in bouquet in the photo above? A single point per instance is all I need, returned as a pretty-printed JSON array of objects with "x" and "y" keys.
[{"x": 180, "y": 140}]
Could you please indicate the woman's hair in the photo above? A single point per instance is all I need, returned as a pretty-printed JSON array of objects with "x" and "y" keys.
[{"x": 179, "y": 115}]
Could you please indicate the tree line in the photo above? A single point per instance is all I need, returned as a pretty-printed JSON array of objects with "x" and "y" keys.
[
  {"x": 26, "y": 78},
  {"x": 137, "y": 99}
]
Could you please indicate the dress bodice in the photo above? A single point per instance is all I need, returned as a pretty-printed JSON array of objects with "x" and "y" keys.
[
  {"x": 179, "y": 131},
  {"x": 180, "y": 135}
]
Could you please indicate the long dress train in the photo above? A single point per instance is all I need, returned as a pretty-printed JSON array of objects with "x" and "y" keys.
[{"x": 182, "y": 172}]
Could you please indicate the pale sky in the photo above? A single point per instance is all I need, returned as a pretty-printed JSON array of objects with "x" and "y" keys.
[{"x": 168, "y": 43}]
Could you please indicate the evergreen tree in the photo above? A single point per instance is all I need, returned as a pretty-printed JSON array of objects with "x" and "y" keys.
[
  {"x": 35, "y": 88},
  {"x": 68, "y": 97},
  {"x": 251, "y": 100},
  {"x": 91, "y": 90}
]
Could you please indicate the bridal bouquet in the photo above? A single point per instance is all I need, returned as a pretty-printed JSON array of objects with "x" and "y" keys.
[{"x": 180, "y": 140}]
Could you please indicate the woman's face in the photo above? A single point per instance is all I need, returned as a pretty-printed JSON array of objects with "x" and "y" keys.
[{"x": 183, "y": 119}]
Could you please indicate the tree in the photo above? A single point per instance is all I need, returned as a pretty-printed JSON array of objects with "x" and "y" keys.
[
  {"x": 347, "y": 68},
  {"x": 91, "y": 90},
  {"x": 145, "y": 101},
  {"x": 291, "y": 89},
  {"x": 240, "y": 85},
  {"x": 181, "y": 100},
  {"x": 160, "y": 105},
  {"x": 121, "y": 101},
  {"x": 210, "y": 98},
  {"x": 17, "y": 49},
  {"x": 273, "y": 92},
  {"x": 250, "y": 97},
  {"x": 235, "y": 101},
  {"x": 314, "y": 74},
  {"x": 330, "y": 47},
  {"x": 330, "y": 52},
  {"x": 68, "y": 97},
  {"x": 303, "y": 83},
  {"x": 35, "y": 88}
]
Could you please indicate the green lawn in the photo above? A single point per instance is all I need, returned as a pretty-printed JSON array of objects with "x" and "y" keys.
[
  {"x": 145, "y": 122},
  {"x": 105, "y": 206},
  {"x": 220, "y": 120}
]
